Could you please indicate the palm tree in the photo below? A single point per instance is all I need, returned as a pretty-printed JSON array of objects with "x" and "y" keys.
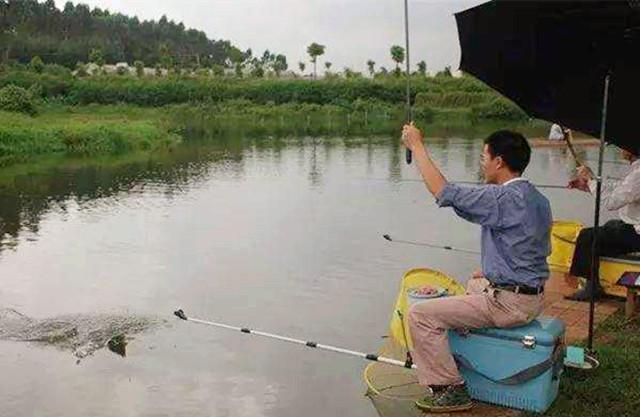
[
  {"x": 315, "y": 50},
  {"x": 397, "y": 54},
  {"x": 327, "y": 65},
  {"x": 372, "y": 67},
  {"x": 302, "y": 66}
]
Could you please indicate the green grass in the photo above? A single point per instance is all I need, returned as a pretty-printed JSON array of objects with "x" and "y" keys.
[
  {"x": 94, "y": 129},
  {"x": 86, "y": 130},
  {"x": 614, "y": 388}
]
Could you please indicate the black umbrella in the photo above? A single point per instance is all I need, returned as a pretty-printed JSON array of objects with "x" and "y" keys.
[{"x": 576, "y": 63}]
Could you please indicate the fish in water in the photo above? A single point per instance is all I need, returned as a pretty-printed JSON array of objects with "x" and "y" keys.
[{"x": 80, "y": 333}]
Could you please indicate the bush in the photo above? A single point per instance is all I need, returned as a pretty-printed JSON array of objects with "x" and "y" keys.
[
  {"x": 52, "y": 86},
  {"x": 499, "y": 108},
  {"x": 218, "y": 70},
  {"x": 81, "y": 69},
  {"x": 423, "y": 113},
  {"x": 453, "y": 99},
  {"x": 139, "y": 68},
  {"x": 57, "y": 70},
  {"x": 17, "y": 99},
  {"x": 36, "y": 64}
]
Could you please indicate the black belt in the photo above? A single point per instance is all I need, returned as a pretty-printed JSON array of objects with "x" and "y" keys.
[{"x": 518, "y": 289}]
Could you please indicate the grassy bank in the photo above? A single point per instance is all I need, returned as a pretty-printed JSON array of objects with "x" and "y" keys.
[
  {"x": 115, "y": 114},
  {"x": 614, "y": 388},
  {"x": 83, "y": 130},
  {"x": 360, "y": 118},
  {"x": 111, "y": 129}
]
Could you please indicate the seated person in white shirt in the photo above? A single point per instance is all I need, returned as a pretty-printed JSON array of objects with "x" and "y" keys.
[
  {"x": 557, "y": 132},
  {"x": 615, "y": 237}
]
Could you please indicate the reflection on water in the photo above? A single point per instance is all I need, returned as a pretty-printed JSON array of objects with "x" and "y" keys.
[{"x": 277, "y": 235}]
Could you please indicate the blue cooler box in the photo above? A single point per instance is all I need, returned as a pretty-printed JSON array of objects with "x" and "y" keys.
[{"x": 518, "y": 367}]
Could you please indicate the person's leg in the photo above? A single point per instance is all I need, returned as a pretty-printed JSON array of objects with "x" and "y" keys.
[
  {"x": 429, "y": 322},
  {"x": 436, "y": 368},
  {"x": 581, "y": 262},
  {"x": 614, "y": 238}
]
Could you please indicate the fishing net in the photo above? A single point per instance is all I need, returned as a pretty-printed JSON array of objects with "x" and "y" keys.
[
  {"x": 81, "y": 334},
  {"x": 393, "y": 390}
]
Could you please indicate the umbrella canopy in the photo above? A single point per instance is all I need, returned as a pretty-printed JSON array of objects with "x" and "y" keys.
[{"x": 552, "y": 58}]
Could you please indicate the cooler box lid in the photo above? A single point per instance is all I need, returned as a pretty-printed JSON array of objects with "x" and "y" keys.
[{"x": 545, "y": 330}]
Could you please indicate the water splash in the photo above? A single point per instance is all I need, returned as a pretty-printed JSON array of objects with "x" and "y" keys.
[{"x": 82, "y": 334}]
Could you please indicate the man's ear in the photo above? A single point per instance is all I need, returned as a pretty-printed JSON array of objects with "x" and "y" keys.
[{"x": 499, "y": 162}]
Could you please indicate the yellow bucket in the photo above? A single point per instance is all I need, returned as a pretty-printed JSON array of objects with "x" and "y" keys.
[{"x": 563, "y": 243}]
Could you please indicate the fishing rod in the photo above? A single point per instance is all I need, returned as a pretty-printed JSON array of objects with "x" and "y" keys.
[
  {"x": 607, "y": 161},
  {"x": 431, "y": 245},
  {"x": 550, "y": 186},
  {"x": 368, "y": 356},
  {"x": 408, "y": 154}
]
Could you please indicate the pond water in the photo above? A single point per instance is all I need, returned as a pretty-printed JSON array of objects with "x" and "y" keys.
[{"x": 281, "y": 236}]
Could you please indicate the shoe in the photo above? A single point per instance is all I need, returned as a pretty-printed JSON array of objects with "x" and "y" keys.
[
  {"x": 584, "y": 294},
  {"x": 453, "y": 398}
]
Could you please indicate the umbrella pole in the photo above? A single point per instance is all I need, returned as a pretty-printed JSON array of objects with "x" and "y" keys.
[{"x": 595, "y": 259}]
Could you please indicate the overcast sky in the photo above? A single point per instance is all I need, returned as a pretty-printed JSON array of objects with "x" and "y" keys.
[{"x": 352, "y": 30}]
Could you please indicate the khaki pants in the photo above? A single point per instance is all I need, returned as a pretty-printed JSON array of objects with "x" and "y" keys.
[{"x": 481, "y": 307}]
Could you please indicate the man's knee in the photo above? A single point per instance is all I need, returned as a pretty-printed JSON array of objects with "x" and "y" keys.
[
  {"x": 421, "y": 314},
  {"x": 586, "y": 232},
  {"x": 585, "y": 235}
]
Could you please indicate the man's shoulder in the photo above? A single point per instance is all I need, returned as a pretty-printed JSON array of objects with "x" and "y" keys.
[{"x": 525, "y": 193}]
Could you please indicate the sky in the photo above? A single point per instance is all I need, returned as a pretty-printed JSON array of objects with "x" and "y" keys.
[{"x": 353, "y": 31}]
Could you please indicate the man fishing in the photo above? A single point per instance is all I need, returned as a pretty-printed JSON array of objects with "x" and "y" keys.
[
  {"x": 615, "y": 237},
  {"x": 516, "y": 222}
]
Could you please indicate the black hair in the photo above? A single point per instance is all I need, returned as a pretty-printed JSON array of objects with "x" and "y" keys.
[{"x": 512, "y": 147}]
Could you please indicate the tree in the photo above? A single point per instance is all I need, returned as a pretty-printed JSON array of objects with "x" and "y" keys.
[
  {"x": 327, "y": 65},
  {"x": 315, "y": 50},
  {"x": 67, "y": 35},
  {"x": 36, "y": 64},
  {"x": 349, "y": 73},
  {"x": 372, "y": 67},
  {"x": 302, "y": 67},
  {"x": 397, "y": 54},
  {"x": 238, "y": 69},
  {"x": 257, "y": 72},
  {"x": 422, "y": 68},
  {"x": 236, "y": 60},
  {"x": 279, "y": 64},
  {"x": 165, "y": 56},
  {"x": 8, "y": 29},
  {"x": 96, "y": 57}
]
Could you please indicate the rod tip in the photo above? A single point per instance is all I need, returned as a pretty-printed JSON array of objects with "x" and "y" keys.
[
  {"x": 387, "y": 237},
  {"x": 180, "y": 314}
]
